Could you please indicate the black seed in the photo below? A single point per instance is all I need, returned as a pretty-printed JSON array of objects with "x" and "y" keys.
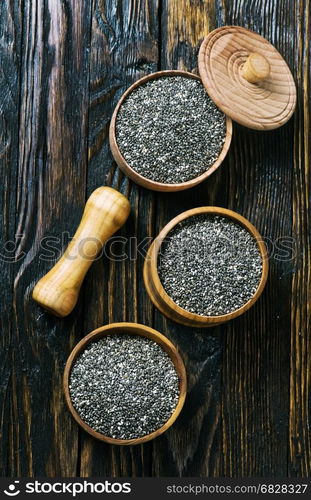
[
  {"x": 169, "y": 130},
  {"x": 210, "y": 265},
  {"x": 124, "y": 386}
]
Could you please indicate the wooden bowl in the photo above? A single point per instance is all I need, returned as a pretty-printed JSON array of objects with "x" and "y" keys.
[
  {"x": 144, "y": 181},
  {"x": 164, "y": 302},
  {"x": 130, "y": 329}
]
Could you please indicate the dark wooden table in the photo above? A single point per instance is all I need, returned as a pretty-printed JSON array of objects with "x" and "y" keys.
[{"x": 64, "y": 64}]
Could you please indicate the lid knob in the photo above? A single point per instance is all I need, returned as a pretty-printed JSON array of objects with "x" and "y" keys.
[{"x": 255, "y": 68}]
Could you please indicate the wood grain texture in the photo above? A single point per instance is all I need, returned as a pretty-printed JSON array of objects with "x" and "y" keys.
[
  {"x": 184, "y": 24},
  {"x": 124, "y": 47},
  {"x": 10, "y": 54},
  {"x": 300, "y": 369},
  {"x": 64, "y": 66},
  {"x": 224, "y": 63},
  {"x": 191, "y": 447},
  {"x": 50, "y": 193},
  {"x": 255, "y": 406}
]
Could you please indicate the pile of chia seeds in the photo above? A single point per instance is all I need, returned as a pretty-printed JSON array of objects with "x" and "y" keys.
[
  {"x": 210, "y": 265},
  {"x": 169, "y": 130},
  {"x": 124, "y": 386}
]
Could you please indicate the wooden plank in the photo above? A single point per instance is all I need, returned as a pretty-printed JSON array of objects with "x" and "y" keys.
[
  {"x": 10, "y": 36},
  {"x": 255, "y": 399},
  {"x": 50, "y": 199},
  {"x": 184, "y": 24},
  {"x": 300, "y": 364},
  {"x": 191, "y": 446},
  {"x": 250, "y": 380},
  {"x": 124, "y": 48}
]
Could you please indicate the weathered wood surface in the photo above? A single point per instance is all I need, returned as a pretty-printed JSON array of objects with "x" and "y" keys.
[{"x": 63, "y": 67}]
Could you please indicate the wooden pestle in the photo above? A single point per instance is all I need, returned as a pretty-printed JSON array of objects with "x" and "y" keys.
[
  {"x": 105, "y": 212},
  {"x": 255, "y": 68}
]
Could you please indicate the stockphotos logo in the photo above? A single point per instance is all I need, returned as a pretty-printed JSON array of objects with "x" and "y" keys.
[
  {"x": 12, "y": 490},
  {"x": 68, "y": 488}
]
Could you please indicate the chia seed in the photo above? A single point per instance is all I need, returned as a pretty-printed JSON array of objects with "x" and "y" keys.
[
  {"x": 124, "y": 386},
  {"x": 210, "y": 265},
  {"x": 169, "y": 130}
]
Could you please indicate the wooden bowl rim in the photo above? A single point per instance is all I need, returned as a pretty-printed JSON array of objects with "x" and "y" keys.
[
  {"x": 144, "y": 181},
  {"x": 225, "y": 212},
  {"x": 131, "y": 329}
]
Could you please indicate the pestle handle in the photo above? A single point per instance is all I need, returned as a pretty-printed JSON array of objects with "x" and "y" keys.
[
  {"x": 256, "y": 68},
  {"x": 105, "y": 212}
]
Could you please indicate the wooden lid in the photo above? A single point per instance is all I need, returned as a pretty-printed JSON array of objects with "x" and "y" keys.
[{"x": 247, "y": 78}]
